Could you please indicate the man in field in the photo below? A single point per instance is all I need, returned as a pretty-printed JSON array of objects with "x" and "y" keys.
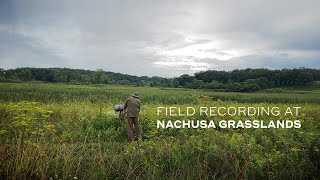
[{"x": 132, "y": 105}]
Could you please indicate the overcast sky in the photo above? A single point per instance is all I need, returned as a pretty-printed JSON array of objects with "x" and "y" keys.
[{"x": 163, "y": 38}]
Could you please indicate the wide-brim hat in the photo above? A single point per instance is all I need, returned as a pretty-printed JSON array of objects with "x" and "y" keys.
[{"x": 136, "y": 95}]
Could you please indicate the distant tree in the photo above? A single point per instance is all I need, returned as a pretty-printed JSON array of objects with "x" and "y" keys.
[
  {"x": 262, "y": 82},
  {"x": 60, "y": 77},
  {"x": 25, "y": 75},
  {"x": 175, "y": 83},
  {"x": 99, "y": 77},
  {"x": 195, "y": 84},
  {"x": 235, "y": 86},
  {"x": 305, "y": 77},
  {"x": 250, "y": 87},
  {"x": 2, "y": 72},
  {"x": 185, "y": 79},
  {"x": 235, "y": 80},
  {"x": 42, "y": 74},
  {"x": 85, "y": 79},
  {"x": 124, "y": 82},
  {"x": 142, "y": 83},
  {"x": 275, "y": 79},
  {"x": 214, "y": 85}
]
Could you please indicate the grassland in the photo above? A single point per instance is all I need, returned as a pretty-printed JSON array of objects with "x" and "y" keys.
[{"x": 64, "y": 131}]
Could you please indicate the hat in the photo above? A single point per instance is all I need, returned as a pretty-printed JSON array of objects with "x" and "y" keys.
[{"x": 136, "y": 95}]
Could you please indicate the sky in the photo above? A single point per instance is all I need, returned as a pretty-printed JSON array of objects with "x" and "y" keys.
[{"x": 165, "y": 38}]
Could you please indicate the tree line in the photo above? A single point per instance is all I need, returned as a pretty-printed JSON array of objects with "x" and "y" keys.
[{"x": 240, "y": 80}]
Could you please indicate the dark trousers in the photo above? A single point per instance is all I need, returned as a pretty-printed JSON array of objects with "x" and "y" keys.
[{"x": 133, "y": 124}]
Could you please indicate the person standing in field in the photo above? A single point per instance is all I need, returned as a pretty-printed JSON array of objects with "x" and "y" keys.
[{"x": 132, "y": 105}]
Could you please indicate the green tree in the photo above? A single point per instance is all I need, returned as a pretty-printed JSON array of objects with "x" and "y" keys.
[
  {"x": 175, "y": 83},
  {"x": 142, "y": 83},
  {"x": 124, "y": 82},
  {"x": 185, "y": 79},
  {"x": 214, "y": 85},
  {"x": 2, "y": 72},
  {"x": 99, "y": 77},
  {"x": 195, "y": 84},
  {"x": 305, "y": 77},
  {"x": 25, "y": 75}
]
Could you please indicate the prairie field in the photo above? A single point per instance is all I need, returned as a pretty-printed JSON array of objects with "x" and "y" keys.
[{"x": 60, "y": 131}]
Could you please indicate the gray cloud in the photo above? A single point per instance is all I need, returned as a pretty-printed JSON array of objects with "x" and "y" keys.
[{"x": 164, "y": 38}]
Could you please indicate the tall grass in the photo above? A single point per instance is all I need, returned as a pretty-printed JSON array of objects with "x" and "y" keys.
[
  {"x": 16, "y": 92},
  {"x": 72, "y": 133}
]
